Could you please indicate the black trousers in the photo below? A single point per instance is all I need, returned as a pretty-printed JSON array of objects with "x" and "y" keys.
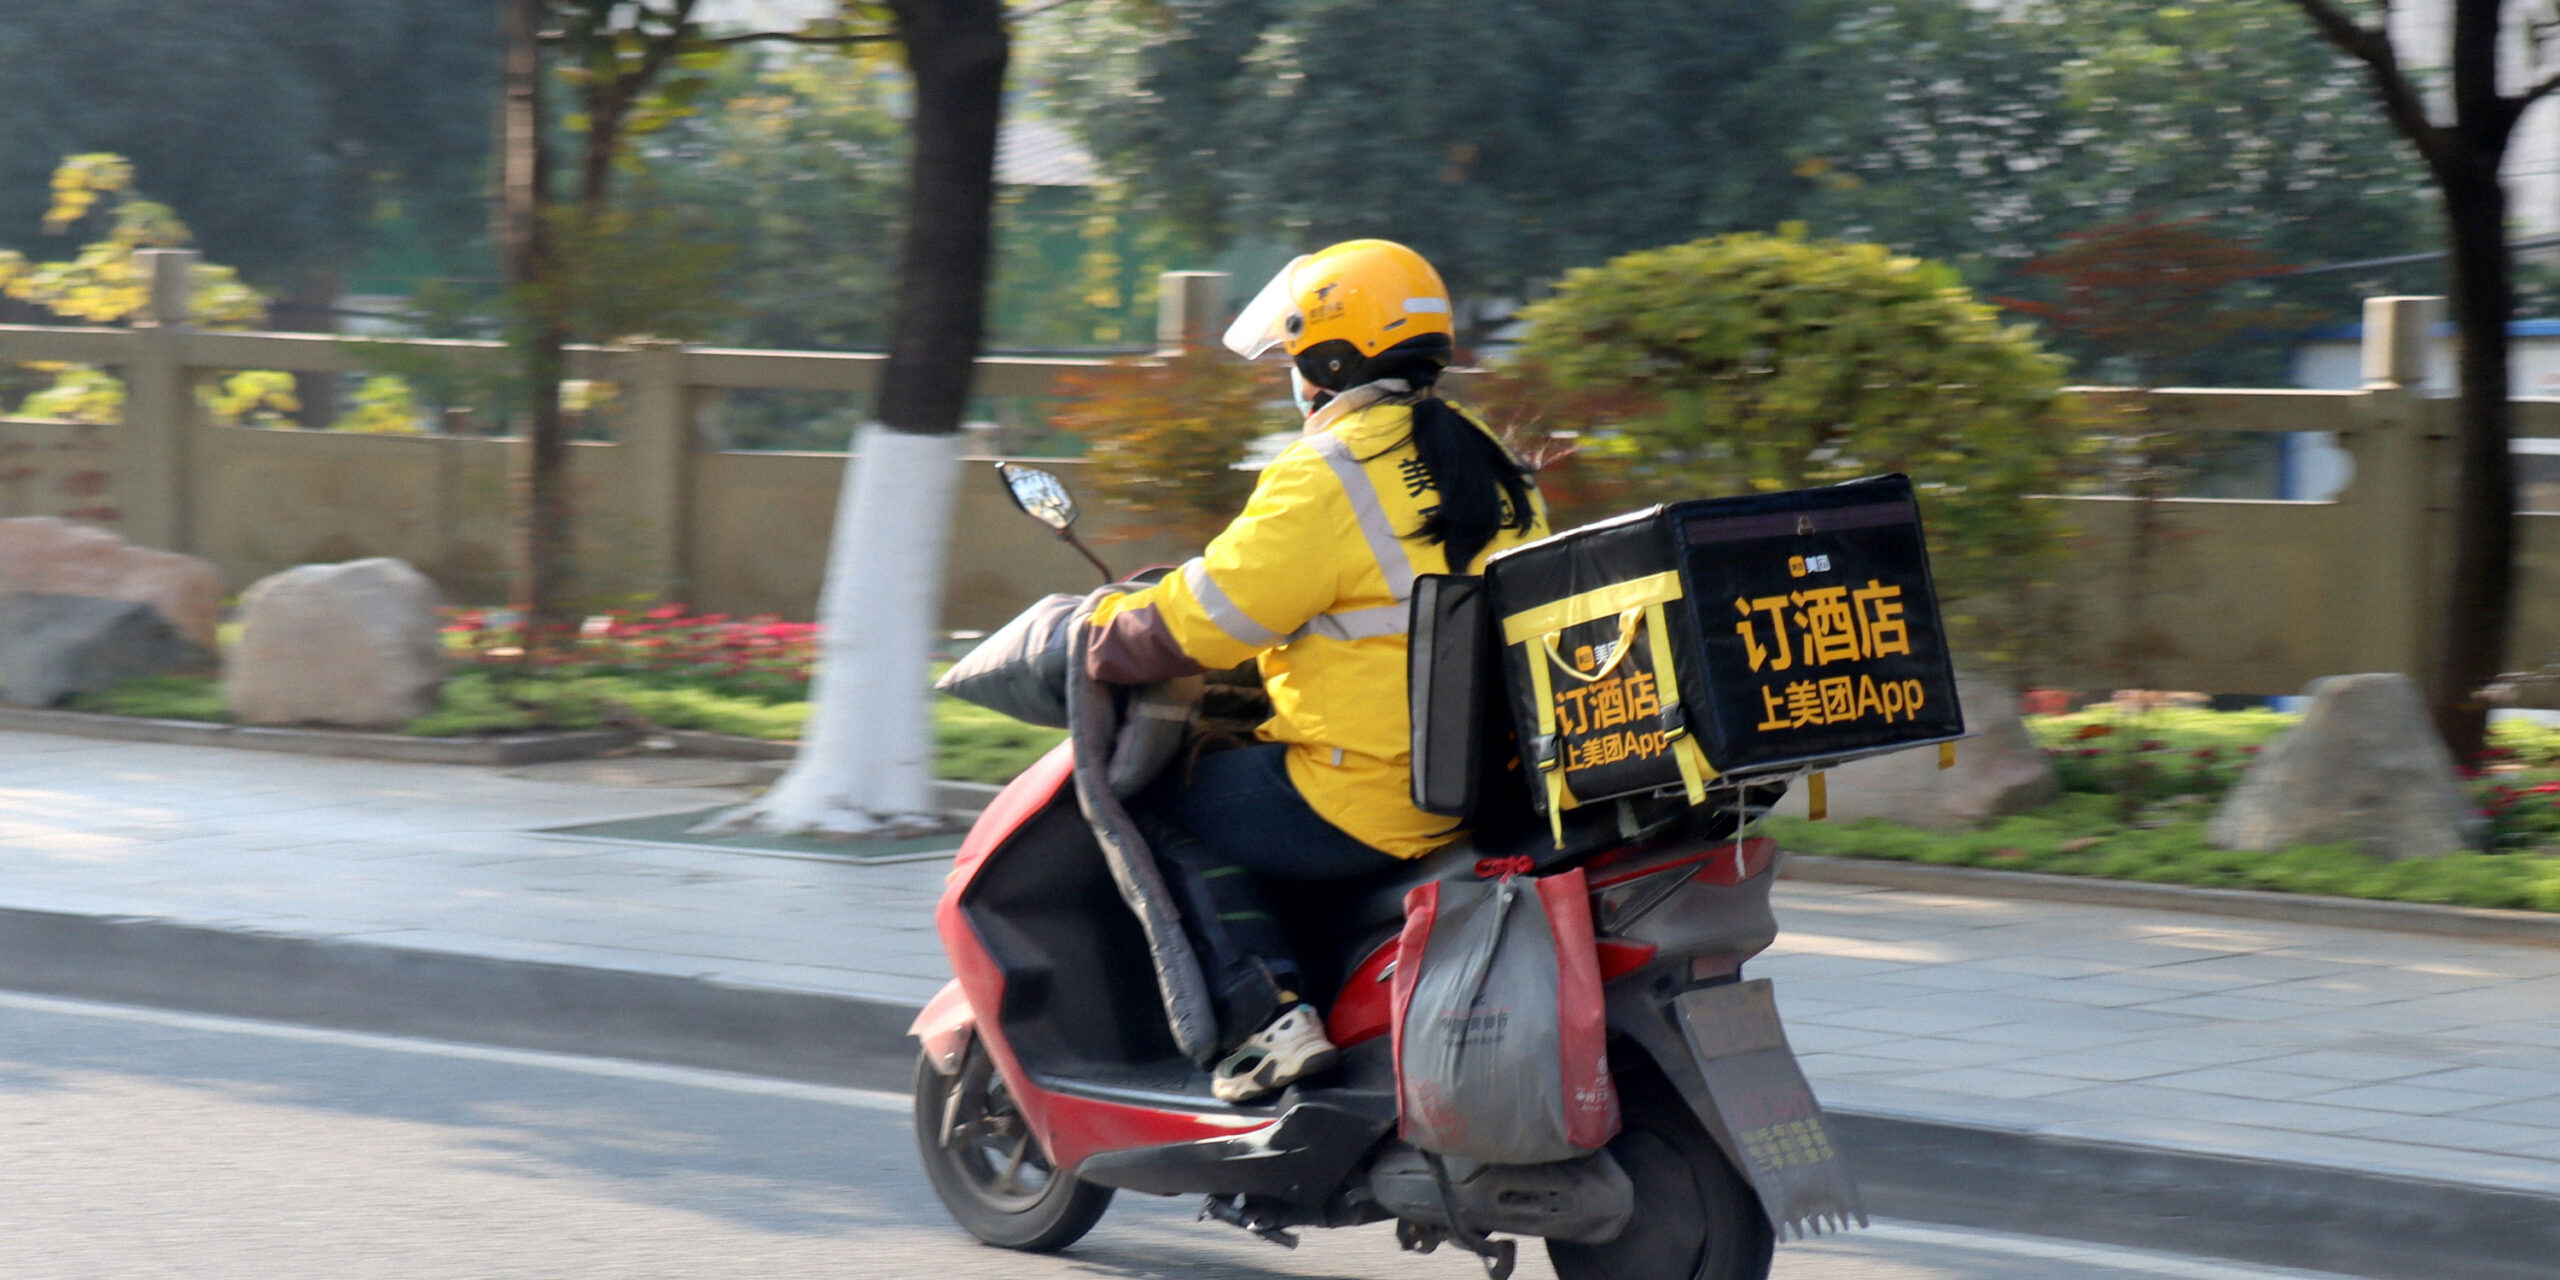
[{"x": 1216, "y": 834}]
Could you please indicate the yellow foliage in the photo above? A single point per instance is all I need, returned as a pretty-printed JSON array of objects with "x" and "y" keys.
[
  {"x": 80, "y": 393},
  {"x": 580, "y": 396},
  {"x": 104, "y": 283},
  {"x": 385, "y": 406},
  {"x": 253, "y": 397},
  {"x": 78, "y": 184}
]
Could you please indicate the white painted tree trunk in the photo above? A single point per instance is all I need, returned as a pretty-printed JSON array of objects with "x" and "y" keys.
[{"x": 866, "y": 758}]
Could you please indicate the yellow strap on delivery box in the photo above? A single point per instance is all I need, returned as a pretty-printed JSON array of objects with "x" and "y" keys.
[
  {"x": 1551, "y": 768},
  {"x": 1692, "y": 759}
]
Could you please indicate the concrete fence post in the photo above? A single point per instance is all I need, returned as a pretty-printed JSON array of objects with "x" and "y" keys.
[
  {"x": 2397, "y": 334},
  {"x": 2397, "y": 495},
  {"x": 657, "y": 472},
  {"x": 1191, "y": 310},
  {"x": 154, "y": 470}
]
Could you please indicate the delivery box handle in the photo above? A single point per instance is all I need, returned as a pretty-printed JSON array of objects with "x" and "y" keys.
[
  {"x": 1589, "y": 606},
  {"x": 1628, "y": 621}
]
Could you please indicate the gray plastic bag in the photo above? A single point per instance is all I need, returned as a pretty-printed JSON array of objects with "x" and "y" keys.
[
  {"x": 1501, "y": 1038},
  {"x": 1021, "y": 670}
]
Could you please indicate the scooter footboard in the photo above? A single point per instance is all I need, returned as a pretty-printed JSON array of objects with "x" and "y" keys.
[{"x": 1770, "y": 1122}]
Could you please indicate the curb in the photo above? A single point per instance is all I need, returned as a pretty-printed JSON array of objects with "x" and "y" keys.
[
  {"x": 348, "y": 744},
  {"x": 767, "y": 759},
  {"x": 2350, "y": 1221},
  {"x": 727, "y": 746},
  {"x": 820, "y": 1037},
  {"x": 2478, "y": 924}
]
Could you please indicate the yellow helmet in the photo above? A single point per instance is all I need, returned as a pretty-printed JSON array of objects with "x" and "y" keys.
[{"x": 1369, "y": 295}]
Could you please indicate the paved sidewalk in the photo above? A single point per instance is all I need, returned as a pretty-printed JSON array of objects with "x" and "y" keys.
[
  {"x": 2308, "y": 1044},
  {"x": 2302, "y": 1043},
  {"x": 447, "y": 858}
]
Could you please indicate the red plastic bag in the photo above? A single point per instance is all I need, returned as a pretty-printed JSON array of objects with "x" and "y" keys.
[{"x": 1501, "y": 1037}]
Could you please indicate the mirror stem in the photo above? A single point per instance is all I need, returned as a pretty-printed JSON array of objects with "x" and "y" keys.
[{"x": 1068, "y": 536}]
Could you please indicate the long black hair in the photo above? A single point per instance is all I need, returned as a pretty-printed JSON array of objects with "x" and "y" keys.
[{"x": 1483, "y": 489}]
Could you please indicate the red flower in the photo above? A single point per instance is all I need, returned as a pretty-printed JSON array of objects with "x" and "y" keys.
[{"x": 2088, "y": 731}]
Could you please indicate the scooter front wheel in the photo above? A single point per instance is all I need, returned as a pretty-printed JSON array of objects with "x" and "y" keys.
[
  {"x": 988, "y": 1168},
  {"x": 1695, "y": 1219}
]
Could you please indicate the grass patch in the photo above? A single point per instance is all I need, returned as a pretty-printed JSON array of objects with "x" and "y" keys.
[
  {"x": 2179, "y": 764},
  {"x": 158, "y": 698},
  {"x": 971, "y": 744},
  {"x": 2078, "y": 836}
]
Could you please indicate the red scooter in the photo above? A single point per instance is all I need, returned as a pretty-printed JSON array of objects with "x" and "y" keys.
[{"x": 1049, "y": 1079}]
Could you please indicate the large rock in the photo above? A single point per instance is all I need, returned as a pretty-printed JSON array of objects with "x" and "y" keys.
[
  {"x": 351, "y": 644},
  {"x": 53, "y": 646},
  {"x": 2535, "y": 690},
  {"x": 2364, "y": 766},
  {"x": 1999, "y": 771},
  {"x": 52, "y": 556}
]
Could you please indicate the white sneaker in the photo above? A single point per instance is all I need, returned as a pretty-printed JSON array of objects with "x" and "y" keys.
[{"x": 1291, "y": 1047}]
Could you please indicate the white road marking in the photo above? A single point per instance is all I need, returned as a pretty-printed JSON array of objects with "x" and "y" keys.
[
  {"x": 612, "y": 1068},
  {"x": 2165, "y": 1265},
  {"x": 2171, "y": 1266}
]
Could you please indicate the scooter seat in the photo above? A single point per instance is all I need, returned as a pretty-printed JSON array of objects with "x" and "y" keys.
[{"x": 1377, "y": 900}]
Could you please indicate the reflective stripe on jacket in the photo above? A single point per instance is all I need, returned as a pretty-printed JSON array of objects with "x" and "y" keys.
[{"x": 1313, "y": 578}]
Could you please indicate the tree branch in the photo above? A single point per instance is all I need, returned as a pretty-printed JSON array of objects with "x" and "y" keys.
[
  {"x": 1033, "y": 11},
  {"x": 657, "y": 51},
  {"x": 2540, "y": 32},
  {"x": 868, "y": 37},
  {"x": 797, "y": 37},
  {"x": 2516, "y": 106},
  {"x": 2400, "y": 101}
]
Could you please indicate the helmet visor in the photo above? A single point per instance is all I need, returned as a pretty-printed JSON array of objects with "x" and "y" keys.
[{"x": 1266, "y": 322}]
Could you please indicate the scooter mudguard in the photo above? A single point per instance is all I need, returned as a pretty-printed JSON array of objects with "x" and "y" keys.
[
  {"x": 944, "y": 1025},
  {"x": 1770, "y": 1123}
]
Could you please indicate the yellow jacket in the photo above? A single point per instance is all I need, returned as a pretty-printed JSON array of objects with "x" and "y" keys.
[{"x": 1313, "y": 578}]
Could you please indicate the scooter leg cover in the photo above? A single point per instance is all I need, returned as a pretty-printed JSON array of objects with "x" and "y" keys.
[
  {"x": 1243, "y": 950},
  {"x": 1093, "y": 725}
]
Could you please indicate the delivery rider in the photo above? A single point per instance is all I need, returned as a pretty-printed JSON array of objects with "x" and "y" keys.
[{"x": 1389, "y": 481}]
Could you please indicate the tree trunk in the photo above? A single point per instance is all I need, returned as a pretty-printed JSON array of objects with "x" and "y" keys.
[
  {"x": 956, "y": 50},
  {"x": 2472, "y": 628},
  {"x": 531, "y": 263},
  {"x": 311, "y": 307},
  {"x": 866, "y": 759}
]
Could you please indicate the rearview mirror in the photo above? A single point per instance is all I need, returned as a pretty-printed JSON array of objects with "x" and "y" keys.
[{"x": 1041, "y": 496}]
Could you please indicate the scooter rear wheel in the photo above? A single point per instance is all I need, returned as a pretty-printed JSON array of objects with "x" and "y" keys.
[
  {"x": 1695, "y": 1218},
  {"x": 988, "y": 1168}
]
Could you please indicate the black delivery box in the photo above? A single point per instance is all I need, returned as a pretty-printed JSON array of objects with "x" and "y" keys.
[{"x": 1722, "y": 637}]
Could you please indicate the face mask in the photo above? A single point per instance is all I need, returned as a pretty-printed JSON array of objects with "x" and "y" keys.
[{"x": 1309, "y": 396}]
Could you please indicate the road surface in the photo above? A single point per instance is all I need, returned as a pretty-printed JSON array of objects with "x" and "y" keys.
[{"x": 137, "y": 1142}]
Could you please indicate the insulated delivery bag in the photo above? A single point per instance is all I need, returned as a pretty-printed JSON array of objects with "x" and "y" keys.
[{"x": 1724, "y": 637}]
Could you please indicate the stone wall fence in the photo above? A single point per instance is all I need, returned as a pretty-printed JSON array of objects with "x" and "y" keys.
[{"x": 2249, "y": 596}]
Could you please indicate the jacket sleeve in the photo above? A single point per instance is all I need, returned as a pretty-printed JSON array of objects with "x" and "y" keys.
[{"x": 1260, "y": 580}]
